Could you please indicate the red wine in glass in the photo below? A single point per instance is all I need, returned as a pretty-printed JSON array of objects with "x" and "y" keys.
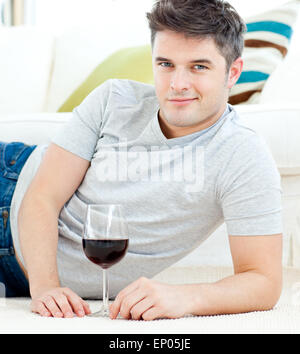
[
  {"x": 105, "y": 242},
  {"x": 105, "y": 252}
]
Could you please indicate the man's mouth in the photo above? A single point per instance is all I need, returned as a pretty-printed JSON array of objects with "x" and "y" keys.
[{"x": 182, "y": 101}]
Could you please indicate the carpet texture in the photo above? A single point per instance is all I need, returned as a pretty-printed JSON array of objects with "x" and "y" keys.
[{"x": 15, "y": 316}]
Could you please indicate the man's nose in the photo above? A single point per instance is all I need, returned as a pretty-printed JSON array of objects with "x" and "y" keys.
[{"x": 180, "y": 81}]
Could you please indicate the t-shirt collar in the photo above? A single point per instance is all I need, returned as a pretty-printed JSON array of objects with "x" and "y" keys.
[{"x": 187, "y": 138}]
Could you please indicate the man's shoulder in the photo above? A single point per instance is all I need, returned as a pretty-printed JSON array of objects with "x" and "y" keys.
[
  {"x": 130, "y": 90},
  {"x": 243, "y": 156},
  {"x": 113, "y": 94},
  {"x": 241, "y": 141}
]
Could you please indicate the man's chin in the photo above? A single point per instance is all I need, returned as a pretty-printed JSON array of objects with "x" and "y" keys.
[
  {"x": 182, "y": 121},
  {"x": 180, "y": 125}
]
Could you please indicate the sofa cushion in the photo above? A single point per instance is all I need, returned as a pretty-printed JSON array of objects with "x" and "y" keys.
[
  {"x": 86, "y": 41},
  {"x": 129, "y": 63},
  {"x": 266, "y": 45},
  {"x": 282, "y": 84},
  {"x": 35, "y": 128},
  {"x": 279, "y": 125}
]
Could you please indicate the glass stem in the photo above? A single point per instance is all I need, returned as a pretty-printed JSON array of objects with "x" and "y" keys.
[{"x": 105, "y": 292}]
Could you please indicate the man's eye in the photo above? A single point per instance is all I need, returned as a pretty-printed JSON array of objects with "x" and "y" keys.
[
  {"x": 200, "y": 67},
  {"x": 165, "y": 64}
]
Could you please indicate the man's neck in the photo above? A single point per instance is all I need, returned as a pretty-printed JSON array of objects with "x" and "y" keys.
[{"x": 171, "y": 131}]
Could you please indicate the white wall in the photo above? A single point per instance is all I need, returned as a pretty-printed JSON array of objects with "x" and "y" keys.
[
  {"x": 248, "y": 8},
  {"x": 64, "y": 14},
  {"x": 59, "y": 15}
]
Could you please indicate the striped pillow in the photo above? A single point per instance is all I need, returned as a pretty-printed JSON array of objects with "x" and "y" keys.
[{"x": 266, "y": 44}]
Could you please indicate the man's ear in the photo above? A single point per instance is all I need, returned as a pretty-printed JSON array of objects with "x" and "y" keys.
[{"x": 235, "y": 72}]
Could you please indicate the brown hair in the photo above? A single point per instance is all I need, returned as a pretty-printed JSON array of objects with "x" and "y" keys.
[{"x": 216, "y": 19}]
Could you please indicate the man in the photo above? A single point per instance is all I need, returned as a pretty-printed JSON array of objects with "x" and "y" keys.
[{"x": 196, "y": 47}]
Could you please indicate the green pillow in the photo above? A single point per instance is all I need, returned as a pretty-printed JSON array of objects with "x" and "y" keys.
[{"x": 129, "y": 63}]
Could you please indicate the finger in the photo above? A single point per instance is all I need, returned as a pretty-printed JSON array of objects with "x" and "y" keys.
[
  {"x": 129, "y": 302},
  {"x": 86, "y": 307},
  {"x": 151, "y": 314},
  {"x": 116, "y": 305},
  {"x": 76, "y": 302},
  {"x": 39, "y": 308},
  {"x": 141, "y": 307},
  {"x": 52, "y": 307},
  {"x": 63, "y": 303}
]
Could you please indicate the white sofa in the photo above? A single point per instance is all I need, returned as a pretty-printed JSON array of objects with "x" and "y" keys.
[{"x": 39, "y": 71}]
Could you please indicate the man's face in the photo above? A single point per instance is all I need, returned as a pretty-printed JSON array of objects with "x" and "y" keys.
[{"x": 191, "y": 82}]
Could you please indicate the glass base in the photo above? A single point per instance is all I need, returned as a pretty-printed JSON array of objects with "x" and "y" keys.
[{"x": 104, "y": 312}]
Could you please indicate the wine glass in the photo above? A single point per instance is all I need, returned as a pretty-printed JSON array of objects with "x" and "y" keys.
[{"x": 105, "y": 242}]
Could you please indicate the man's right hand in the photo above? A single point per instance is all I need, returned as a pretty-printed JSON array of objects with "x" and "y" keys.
[{"x": 59, "y": 302}]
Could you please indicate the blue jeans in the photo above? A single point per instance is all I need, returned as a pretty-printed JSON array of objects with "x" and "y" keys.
[{"x": 13, "y": 156}]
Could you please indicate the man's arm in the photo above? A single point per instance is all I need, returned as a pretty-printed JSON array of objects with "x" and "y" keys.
[
  {"x": 57, "y": 178},
  {"x": 255, "y": 286},
  {"x": 257, "y": 281}
]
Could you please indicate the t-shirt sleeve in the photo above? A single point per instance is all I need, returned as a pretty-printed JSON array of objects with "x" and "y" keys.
[
  {"x": 80, "y": 134},
  {"x": 251, "y": 192}
]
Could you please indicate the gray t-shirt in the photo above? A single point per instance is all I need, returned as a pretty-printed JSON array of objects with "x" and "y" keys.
[{"x": 175, "y": 192}]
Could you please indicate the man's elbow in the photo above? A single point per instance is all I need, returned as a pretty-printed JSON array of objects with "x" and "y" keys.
[{"x": 272, "y": 293}]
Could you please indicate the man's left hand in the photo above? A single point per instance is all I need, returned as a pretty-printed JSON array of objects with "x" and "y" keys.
[{"x": 148, "y": 299}]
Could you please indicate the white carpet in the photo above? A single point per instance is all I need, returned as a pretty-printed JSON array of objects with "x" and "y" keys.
[{"x": 15, "y": 316}]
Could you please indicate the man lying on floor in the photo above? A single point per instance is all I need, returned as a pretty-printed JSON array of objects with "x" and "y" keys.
[{"x": 218, "y": 171}]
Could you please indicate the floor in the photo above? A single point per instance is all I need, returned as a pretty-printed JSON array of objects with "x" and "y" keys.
[{"x": 15, "y": 316}]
